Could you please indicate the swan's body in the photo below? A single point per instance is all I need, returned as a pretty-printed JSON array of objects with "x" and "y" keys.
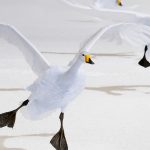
[{"x": 55, "y": 89}]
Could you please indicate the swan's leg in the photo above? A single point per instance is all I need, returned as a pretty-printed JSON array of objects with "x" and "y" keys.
[
  {"x": 59, "y": 141},
  {"x": 8, "y": 118}
]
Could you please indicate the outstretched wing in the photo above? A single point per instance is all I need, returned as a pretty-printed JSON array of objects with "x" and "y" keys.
[
  {"x": 108, "y": 14},
  {"x": 33, "y": 57},
  {"x": 101, "y": 4},
  {"x": 74, "y": 4},
  {"x": 134, "y": 34}
]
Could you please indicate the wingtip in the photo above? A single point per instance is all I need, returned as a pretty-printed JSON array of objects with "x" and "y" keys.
[{"x": 5, "y": 25}]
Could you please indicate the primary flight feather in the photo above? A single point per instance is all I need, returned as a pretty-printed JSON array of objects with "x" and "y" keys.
[{"x": 33, "y": 57}]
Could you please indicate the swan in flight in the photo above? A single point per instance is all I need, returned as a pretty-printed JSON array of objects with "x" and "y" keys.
[
  {"x": 55, "y": 87},
  {"x": 108, "y": 15}
]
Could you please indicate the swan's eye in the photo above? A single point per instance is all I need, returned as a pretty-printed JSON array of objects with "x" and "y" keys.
[{"x": 83, "y": 55}]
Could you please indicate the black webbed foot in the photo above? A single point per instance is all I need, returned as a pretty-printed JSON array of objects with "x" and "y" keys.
[
  {"x": 143, "y": 62},
  {"x": 8, "y": 118},
  {"x": 59, "y": 141}
]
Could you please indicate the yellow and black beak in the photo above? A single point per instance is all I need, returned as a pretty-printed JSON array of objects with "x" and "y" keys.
[
  {"x": 119, "y": 2},
  {"x": 88, "y": 59}
]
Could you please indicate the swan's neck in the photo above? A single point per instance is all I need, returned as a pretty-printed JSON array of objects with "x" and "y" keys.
[{"x": 75, "y": 66}]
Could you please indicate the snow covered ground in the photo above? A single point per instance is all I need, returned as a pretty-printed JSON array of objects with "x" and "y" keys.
[{"x": 113, "y": 111}]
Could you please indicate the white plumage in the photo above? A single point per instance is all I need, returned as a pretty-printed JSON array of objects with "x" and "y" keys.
[
  {"x": 126, "y": 25},
  {"x": 55, "y": 89},
  {"x": 105, "y": 4},
  {"x": 32, "y": 56},
  {"x": 56, "y": 86},
  {"x": 110, "y": 15},
  {"x": 100, "y": 4},
  {"x": 135, "y": 34},
  {"x": 132, "y": 33}
]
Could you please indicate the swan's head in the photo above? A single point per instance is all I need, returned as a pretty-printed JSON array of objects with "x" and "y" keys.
[
  {"x": 119, "y": 2},
  {"x": 86, "y": 58}
]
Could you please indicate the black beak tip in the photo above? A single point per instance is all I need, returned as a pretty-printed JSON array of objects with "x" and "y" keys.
[
  {"x": 91, "y": 62},
  {"x": 120, "y": 4}
]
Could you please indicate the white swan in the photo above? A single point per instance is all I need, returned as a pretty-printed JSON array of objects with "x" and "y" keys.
[
  {"x": 55, "y": 88},
  {"x": 111, "y": 15}
]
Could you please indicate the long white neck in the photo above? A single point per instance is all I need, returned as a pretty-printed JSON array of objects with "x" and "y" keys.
[{"x": 75, "y": 66}]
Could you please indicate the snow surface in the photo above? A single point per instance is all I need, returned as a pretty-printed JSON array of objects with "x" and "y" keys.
[{"x": 113, "y": 111}]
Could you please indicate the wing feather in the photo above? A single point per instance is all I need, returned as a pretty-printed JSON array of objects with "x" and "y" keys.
[
  {"x": 33, "y": 57},
  {"x": 134, "y": 34},
  {"x": 110, "y": 15},
  {"x": 76, "y": 5}
]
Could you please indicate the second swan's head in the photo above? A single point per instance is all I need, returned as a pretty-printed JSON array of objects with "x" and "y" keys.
[{"x": 119, "y": 2}]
